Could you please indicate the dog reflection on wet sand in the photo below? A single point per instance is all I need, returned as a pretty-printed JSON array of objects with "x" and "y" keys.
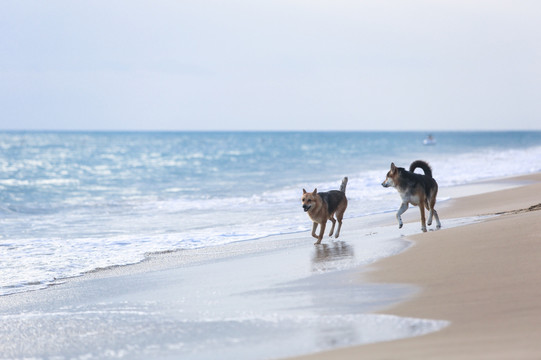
[
  {"x": 334, "y": 256},
  {"x": 323, "y": 206}
]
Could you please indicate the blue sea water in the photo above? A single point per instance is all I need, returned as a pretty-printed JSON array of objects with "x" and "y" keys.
[{"x": 71, "y": 202}]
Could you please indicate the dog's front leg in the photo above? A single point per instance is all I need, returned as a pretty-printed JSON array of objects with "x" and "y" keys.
[
  {"x": 400, "y": 211},
  {"x": 321, "y": 233},
  {"x": 314, "y": 227},
  {"x": 338, "y": 229}
]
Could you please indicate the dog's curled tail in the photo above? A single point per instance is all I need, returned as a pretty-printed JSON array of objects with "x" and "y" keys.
[
  {"x": 343, "y": 185},
  {"x": 423, "y": 165}
]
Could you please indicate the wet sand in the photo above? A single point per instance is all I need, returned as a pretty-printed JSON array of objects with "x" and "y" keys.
[
  {"x": 484, "y": 278},
  {"x": 269, "y": 298}
]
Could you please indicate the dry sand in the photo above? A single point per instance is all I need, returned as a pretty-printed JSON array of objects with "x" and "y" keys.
[{"x": 484, "y": 278}]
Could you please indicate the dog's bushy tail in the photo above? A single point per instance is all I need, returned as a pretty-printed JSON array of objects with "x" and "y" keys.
[
  {"x": 343, "y": 185},
  {"x": 422, "y": 165}
]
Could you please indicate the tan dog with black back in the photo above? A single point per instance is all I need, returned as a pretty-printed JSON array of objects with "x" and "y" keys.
[
  {"x": 415, "y": 189},
  {"x": 323, "y": 206}
]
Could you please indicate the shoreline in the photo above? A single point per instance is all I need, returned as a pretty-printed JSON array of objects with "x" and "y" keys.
[
  {"x": 229, "y": 300},
  {"x": 322, "y": 294},
  {"x": 158, "y": 260},
  {"x": 371, "y": 219},
  {"x": 482, "y": 277}
]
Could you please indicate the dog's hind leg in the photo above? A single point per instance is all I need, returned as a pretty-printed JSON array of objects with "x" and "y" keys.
[
  {"x": 333, "y": 220},
  {"x": 430, "y": 213},
  {"x": 339, "y": 217},
  {"x": 438, "y": 224},
  {"x": 400, "y": 211},
  {"x": 423, "y": 220},
  {"x": 433, "y": 212}
]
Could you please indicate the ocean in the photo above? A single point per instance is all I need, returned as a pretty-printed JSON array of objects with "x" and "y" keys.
[{"x": 73, "y": 202}]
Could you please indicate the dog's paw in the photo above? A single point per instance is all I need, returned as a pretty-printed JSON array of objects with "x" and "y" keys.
[
  {"x": 424, "y": 229},
  {"x": 400, "y": 226},
  {"x": 438, "y": 227}
]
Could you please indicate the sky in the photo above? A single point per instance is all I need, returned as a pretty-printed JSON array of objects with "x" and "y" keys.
[{"x": 270, "y": 65}]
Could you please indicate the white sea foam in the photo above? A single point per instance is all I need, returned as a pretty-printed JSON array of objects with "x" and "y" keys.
[
  {"x": 217, "y": 307},
  {"x": 70, "y": 204},
  {"x": 143, "y": 334},
  {"x": 486, "y": 164}
]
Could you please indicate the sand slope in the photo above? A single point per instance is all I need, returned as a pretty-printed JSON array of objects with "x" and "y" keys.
[{"x": 485, "y": 278}]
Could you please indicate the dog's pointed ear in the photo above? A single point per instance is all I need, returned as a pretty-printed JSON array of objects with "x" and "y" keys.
[
  {"x": 315, "y": 191},
  {"x": 303, "y": 191},
  {"x": 393, "y": 167}
]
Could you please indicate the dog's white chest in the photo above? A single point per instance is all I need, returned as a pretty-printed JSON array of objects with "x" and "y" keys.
[{"x": 412, "y": 199}]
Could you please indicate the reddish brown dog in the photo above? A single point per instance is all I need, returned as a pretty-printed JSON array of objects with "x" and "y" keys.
[{"x": 322, "y": 207}]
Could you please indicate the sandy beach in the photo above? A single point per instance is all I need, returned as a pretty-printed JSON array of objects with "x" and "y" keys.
[
  {"x": 484, "y": 278},
  {"x": 475, "y": 281}
]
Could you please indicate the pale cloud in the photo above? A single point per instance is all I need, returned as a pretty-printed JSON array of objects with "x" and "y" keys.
[{"x": 361, "y": 65}]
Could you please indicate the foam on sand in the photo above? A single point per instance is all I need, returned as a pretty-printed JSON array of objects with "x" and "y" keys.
[{"x": 275, "y": 297}]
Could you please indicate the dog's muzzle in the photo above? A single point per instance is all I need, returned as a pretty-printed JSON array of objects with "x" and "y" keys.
[{"x": 306, "y": 207}]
